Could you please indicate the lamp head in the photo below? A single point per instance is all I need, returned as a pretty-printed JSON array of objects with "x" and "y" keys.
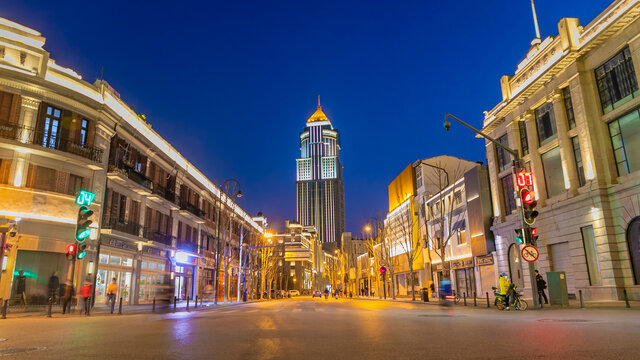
[{"x": 447, "y": 124}]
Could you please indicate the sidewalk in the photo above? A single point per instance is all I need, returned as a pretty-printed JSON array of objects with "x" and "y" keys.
[
  {"x": 482, "y": 303},
  {"x": 102, "y": 310}
]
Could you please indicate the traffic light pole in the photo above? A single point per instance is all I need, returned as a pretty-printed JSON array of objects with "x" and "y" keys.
[{"x": 515, "y": 165}]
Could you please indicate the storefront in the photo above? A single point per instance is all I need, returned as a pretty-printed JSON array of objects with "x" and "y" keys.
[
  {"x": 154, "y": 275},
  {"x": 118, "y": 265},
  {"x": 185, "y": 275},
  {"x": 32, "y": 272},
  {"x": 464, "y": 276}
]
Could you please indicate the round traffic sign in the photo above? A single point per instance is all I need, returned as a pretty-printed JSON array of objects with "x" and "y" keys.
[
  {"x": 530, "y": 253},
  {"x": 383, "y": 269},
  {"x": 382, "y": 262}
]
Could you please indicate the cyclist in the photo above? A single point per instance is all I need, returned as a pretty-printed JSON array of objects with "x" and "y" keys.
[{"x": 505, "y": 288}]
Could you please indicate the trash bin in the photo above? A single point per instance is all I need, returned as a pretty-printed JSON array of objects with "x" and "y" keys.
[{"x": 425, "y": 294}]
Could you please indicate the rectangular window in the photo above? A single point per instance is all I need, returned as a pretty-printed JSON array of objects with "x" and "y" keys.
[
  {"x": 578, "y": 157},
  {"x": 114, "y": 260},
  {"x": 504, "y": 158},
  {"x": 104, "y": 259},
  {"x": 52, "y": 125},
  {"x": 127, "y": 262},
  {"x": 122, "y": 208},
  {"x": 568, "y": 107},
  {"x": 546, "y": 122},
  {"x": 507, "y": 193},
  {"x": 625, "y": 139},
  {"x": 524, "y": 143},
  {"x": 83, "y": 132},
  {"x": 591, "y": 254},
  {"x": 617, "y": 81},
  {"x": 45, "y": 179},
  {"x": 75, "y": 184},
  {"x": 553, "y": 173},
  {"x": 5, "y": 169}
]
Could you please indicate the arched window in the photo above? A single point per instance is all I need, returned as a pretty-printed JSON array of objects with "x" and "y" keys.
[
  {"x": 633, "y": 240},
  {"x": 515, "y": 270}
]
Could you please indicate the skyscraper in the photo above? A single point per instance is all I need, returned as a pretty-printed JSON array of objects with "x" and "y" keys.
[{"x": 319, "y": 186}]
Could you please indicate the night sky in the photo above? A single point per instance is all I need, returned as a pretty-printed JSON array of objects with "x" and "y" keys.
[{"x": 230, "y": 84}]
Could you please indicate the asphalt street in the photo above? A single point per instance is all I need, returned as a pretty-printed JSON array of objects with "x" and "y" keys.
[{"x": 305, "y": 328}]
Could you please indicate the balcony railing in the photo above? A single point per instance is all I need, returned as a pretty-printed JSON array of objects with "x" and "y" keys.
[
  {"x": 28, "y": 135},
  {"x": 124, "y": 226},
  {"x": 132, "y": 174},
  {"x": 164, "y": 192},
  {"x": 191, "y": 208},
  {"x": 159, "y": 237}
]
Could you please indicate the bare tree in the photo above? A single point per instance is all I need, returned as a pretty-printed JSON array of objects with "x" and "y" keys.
[{"x": 403, "y": 227}]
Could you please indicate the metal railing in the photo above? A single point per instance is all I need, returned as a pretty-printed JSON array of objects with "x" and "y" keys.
[
  {"x": 159, "y": 237},
  {"x": 124, "y": 226},
  {"x": 164, "y": 192},
  {"x": 132, "y": 174},
  {"x": 29, "y": 135},
  {"x": 190, "y": 208}
]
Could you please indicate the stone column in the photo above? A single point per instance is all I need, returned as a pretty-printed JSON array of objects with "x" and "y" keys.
[
  {"x": 536, "y": 160},
  {"x": 566, "y": 147},
  {"x": 27, "y": 122}
]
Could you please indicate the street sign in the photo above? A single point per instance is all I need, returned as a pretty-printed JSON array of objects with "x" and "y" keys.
[
  {"x": 382, "y": 262},
  {"x": 383, "y": 269},
  {"x": 530, "y": 253}
]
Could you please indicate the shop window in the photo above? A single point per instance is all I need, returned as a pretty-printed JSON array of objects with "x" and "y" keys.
[
  {"x": 616, "y": 81},
  {"x": 553, "y": 173},
  {"x": 625, "y": 140},
  {"x": 144, "y": 265},
  {"x": 161, "y": 267},
  {"x": 152, "y": 266},
  {"x": 591, "y": 254},
  {"x": 104, "y": 259},
  {"x": 546, "y": 123},
  {"x": 127, "y": 262},
  {"x": 115, "y": 260}
]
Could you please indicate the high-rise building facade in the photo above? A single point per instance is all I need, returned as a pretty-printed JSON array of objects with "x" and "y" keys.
[{"x": 319, "y": 186}]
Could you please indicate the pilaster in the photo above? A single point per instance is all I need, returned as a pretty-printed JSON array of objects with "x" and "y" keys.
[{"x": 564, "y": 143}]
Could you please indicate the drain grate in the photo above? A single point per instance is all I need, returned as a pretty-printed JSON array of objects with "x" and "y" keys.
[
  {"x": 14, "y": 351},
  {"x": 566, "y": 320}
]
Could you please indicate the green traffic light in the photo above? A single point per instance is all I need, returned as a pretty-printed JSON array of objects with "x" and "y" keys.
[
  {"x": 81, "y": 255},
  {"x": 83, "y": 234}
]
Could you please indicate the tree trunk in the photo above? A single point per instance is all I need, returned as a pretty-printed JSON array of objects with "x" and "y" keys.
[{"x": 412, "y": 277}]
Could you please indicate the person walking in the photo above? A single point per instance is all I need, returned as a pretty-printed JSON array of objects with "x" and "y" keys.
[
  {"x": 112, "y": 290},
  {"x": 66, "y": 295},
  {"x": 21, "y": 287},
  {"x": 541, "y": 285},
  {"x": 85, "y": 294}
]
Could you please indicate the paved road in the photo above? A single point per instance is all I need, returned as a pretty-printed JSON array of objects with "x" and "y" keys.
[{"x": 307, "y": 328}]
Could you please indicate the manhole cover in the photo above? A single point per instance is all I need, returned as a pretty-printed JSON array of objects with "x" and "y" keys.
[
  {"x": 441, "y": 315},
  {"x": 565, "y": 320},
  {"x": 13, "y": 351}
]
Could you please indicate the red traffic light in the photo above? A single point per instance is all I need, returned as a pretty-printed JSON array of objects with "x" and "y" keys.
[
  {"x": 71, "y": 249},
  {"x": 528, "y": 197},
  {"x": 534, "y": 231}
]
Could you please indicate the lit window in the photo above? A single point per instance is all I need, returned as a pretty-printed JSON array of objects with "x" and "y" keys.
[
  {"x": 524, "y": 143},
  {"x": 578, "y": 157},
  {"x": 553, "y": 172},
  {"x": 625, "y": 139},
  {"x": 546, "y": 123},
  {"x": 617, "y": 81},
  {"x": 83, "y": 132},
  {"x": 568, "y": 107}
]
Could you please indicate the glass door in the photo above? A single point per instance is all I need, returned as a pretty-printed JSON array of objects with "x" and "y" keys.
[
  {"x": 101, "y": 286},
  {"x": 125, "y": 286},
  {"x": 51, "y": 127}
]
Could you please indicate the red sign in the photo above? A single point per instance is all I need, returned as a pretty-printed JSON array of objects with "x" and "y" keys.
[
  {"x": 525, "y": 178},
  {"x": 530, "y": 253},
  {"x": 383, "y": 269}
]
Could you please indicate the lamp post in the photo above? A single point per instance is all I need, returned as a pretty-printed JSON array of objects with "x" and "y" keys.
[
  {"x": 228, "y": 188},
  {"x": 517, "y": 162},
  {"x": 373, "y": 235}
]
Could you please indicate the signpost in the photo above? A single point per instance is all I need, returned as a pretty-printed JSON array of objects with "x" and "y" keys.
[{"x": 383, "y": 271}]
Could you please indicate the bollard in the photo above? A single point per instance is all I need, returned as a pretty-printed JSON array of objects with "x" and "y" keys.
[
  {"x": 50, "y": 304},
  {"x": 196, "y": 302},
  {"x": 626, "y": 298},
  {"x": 175, "y": 301},
  {"x": 187, "y": 303},
  {"x": 4, "y": 309},
  {"x": 581, "y": 301},
  {"x": 475, "y": 301},
  {"x": 488, "y": 306},
  {"x": 120, "y": 307},
  {"x": 153, "y": 308},
  {"x": 464, "y": 297}
]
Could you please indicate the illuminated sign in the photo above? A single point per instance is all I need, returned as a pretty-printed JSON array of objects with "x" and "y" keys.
[
  {"x": 525, "y": 178},
  {"x": 85, "y": 198}
]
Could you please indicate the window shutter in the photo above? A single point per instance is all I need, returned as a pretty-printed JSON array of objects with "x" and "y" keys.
[{"x": 5, "y": 169}]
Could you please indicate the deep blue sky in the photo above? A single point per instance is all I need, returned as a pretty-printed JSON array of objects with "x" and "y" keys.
[{"x": 231, "y": 83}]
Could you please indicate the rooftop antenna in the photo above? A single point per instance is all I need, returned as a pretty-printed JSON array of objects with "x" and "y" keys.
[
  {"x": 535, "y": 20},
  {"x": 319, "y": 102}
]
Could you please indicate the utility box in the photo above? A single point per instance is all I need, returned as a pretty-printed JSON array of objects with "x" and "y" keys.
[{"x": 557, "y": 286}]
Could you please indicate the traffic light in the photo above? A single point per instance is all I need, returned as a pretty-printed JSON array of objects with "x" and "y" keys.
[
  {"x": 529, "y": 203},
  {"x": 82, "y": 250},
  {"x": 534, "y": 236},
  {"x": 71, "y": 251},
  {"x": 519, "y": 236},
  {"x": 82, "y": 226}
]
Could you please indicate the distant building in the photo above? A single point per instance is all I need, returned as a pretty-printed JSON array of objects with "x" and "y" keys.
[{"x": 319, "y": 186}]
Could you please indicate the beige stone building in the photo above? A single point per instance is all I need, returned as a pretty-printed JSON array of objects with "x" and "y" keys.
[
  {"x": 572, "y": 111},
  {"x": 156, "y": 215}
]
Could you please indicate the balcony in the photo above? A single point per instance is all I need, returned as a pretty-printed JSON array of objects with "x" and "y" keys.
[
  {"x": 163, "y": 195},
  {"x": 29, "y": 135},
  {"x": 159, "y": 237},
  {"x": 113, "y": 223},
  {"x": 189, "y": 209},
  {"x": 142, "y": 184}
]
